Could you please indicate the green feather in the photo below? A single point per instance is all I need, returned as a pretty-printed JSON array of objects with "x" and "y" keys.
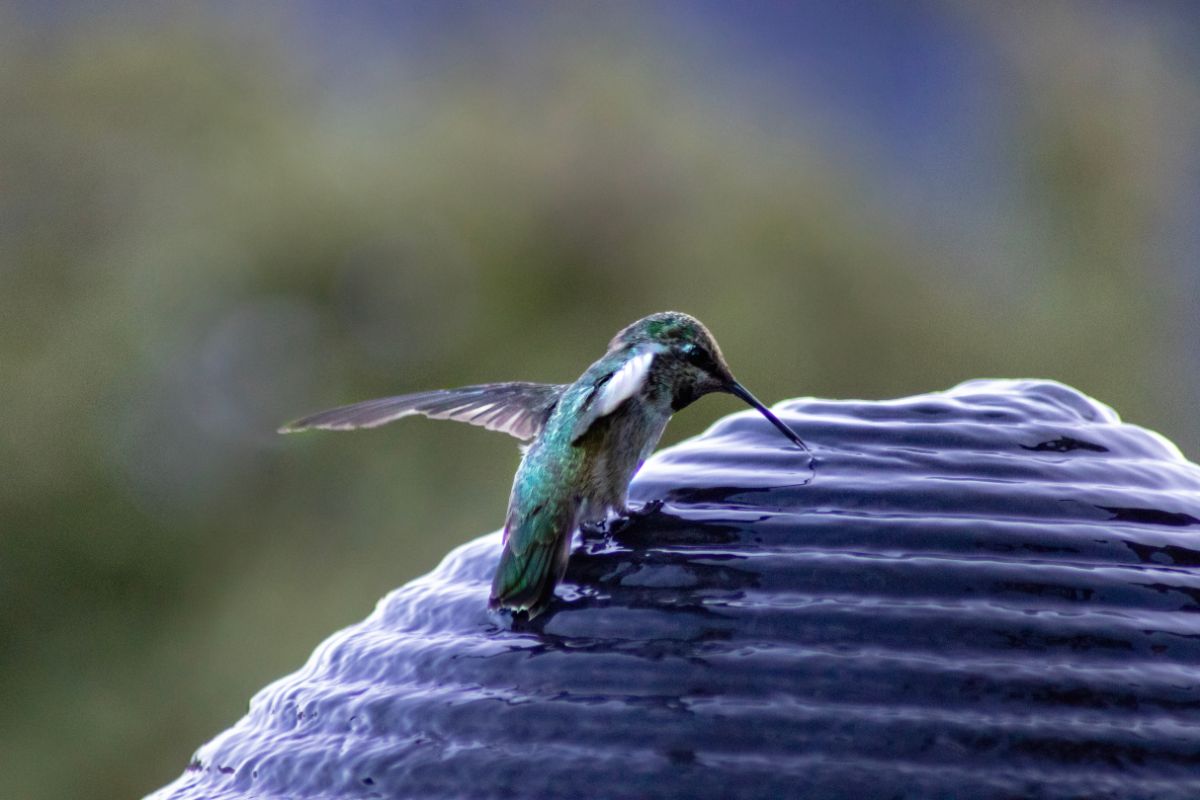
[
  {"x": 522, "y": 581},
  {"x": 534, "y": 558}
]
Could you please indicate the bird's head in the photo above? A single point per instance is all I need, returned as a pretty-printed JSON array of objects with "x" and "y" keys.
[
  {"x": 685, "y": 352},
  {"x": 688, "y": 357}
]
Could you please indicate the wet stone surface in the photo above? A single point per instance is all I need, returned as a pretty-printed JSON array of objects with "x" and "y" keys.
[{"x": 988, "y": 592}]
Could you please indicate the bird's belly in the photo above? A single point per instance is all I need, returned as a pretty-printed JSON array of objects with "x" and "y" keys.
[{"x": 626, "y": 443}]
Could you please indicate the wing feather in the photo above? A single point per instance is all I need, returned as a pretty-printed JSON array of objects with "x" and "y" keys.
[
  {"x": 518, "y": 409},
  {"x": 614, "y": 390},
  {"x": 624, "y": 383}
]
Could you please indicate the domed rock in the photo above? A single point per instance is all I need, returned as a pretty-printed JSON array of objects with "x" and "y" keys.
[{"x": 985, "y": 592}]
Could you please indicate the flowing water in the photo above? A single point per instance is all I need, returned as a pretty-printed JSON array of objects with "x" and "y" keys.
[{"x": 988, "y": 592}]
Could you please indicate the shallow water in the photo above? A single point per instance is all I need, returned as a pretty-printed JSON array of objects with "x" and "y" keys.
[{"x": 989, "y": 592}]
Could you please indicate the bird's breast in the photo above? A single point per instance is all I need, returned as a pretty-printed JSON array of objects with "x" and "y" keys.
[{"x": 616, "y": 450}]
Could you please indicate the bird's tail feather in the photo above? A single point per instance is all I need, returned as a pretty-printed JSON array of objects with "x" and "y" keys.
[{"x": 525, "y": 578}]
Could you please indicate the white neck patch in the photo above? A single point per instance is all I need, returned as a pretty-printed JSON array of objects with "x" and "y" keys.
[{"x": 624, "y": 383}]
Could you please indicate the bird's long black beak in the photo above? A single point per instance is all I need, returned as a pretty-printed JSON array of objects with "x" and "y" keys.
[{"x": 736, "y": 388}]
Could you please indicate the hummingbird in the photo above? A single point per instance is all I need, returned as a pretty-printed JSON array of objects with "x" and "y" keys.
[{"x": 583, "y": 442}]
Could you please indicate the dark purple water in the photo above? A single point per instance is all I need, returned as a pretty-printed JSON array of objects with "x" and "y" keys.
[{"x": 985, "y": 593}]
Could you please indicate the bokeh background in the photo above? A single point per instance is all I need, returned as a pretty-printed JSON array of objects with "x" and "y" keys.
[{"x": 215, "y": 217}]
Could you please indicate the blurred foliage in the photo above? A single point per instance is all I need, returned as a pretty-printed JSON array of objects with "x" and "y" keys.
[{"x": 206, "y": 230}]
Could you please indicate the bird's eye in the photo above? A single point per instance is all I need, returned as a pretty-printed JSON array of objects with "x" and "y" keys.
[{"x": 697, "y": 356}]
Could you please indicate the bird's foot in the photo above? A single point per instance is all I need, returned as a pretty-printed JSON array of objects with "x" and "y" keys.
[
  {"x": 649, "y": 508},
  {"x": 628, "y": 515},
  {"x": 593, "y": 528},
  {"x": 619, "y": 520}
]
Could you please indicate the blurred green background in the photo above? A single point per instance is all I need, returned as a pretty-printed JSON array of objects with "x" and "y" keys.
[{"x": 213, "y": 219}]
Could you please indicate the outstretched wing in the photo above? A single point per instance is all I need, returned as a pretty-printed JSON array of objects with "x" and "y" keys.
[{"x": 519, "y": 409}]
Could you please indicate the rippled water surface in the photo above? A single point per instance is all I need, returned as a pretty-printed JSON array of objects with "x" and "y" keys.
[{"x": 989, "y": 592}]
